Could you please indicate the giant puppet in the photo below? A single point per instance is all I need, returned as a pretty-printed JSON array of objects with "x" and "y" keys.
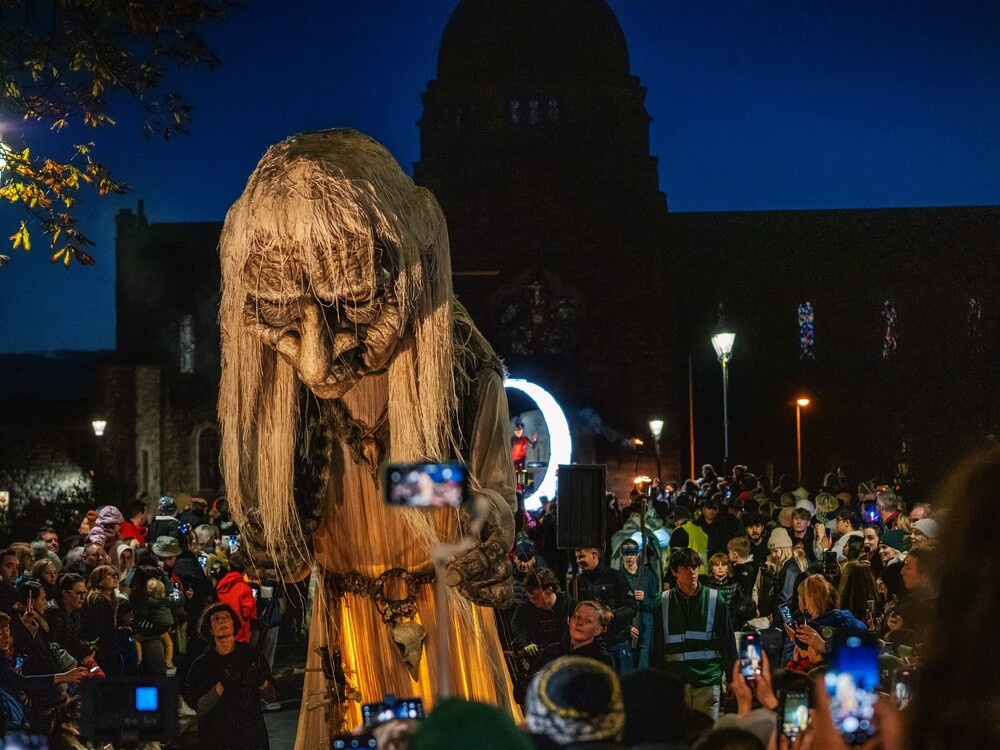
[{"x": 343, "y": 347}]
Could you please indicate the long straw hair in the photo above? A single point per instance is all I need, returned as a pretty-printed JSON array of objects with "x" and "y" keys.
[{"x": 318, "y": 214}]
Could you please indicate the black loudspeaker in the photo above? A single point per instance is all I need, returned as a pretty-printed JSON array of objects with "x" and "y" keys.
[{"x": 580, "y": 491}]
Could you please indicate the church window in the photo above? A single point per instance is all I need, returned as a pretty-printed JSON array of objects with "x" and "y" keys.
[
  {"x": 553, "y": 110},
  {"x": 889, "y": 343},
  {"x": 187, "y": 344},
  {"x": 807, "y": 332},
  {"x": 974, "y": 317},
  {"x": 533, "y": 109},
  {"x": 209, "y": 479},
  {"x": 514, "y": 111}
]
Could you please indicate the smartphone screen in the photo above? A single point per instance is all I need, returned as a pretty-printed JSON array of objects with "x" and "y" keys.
[
  {"x": 748, "y": 646},
  {"x": 852, "y": 684},
  {"x": 234, "y": 543},
  {"x": 830, "y": 563},
  {"x": 902, "y": 686},
  {"x": 203, "y": 561},
  {"x": 786, "y": 615},
  {"x": 425, "y": 485},
  {"x": 794, "y": 712},
  {"x": 373, "y": 714}
]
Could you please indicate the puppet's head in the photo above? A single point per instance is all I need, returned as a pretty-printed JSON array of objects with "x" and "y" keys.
[{"x": 334, "y": 266}]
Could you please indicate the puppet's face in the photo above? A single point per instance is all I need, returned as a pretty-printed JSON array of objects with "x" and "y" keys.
[{"x": 334, "y": 321}]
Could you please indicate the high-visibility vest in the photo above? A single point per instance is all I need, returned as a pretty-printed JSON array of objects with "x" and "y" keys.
[
  {"x": 691, "y": 648},
  {"x": 698, "y": 541}
]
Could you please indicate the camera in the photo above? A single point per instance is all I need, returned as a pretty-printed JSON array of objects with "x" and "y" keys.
[{"x": 128, "y": 710}]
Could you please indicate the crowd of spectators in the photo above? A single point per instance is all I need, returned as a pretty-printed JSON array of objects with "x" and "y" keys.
[
  {"x": 630, "y": 646},
  {"x": 138, "y": 591},
  {"x": 635, "y": 645}
]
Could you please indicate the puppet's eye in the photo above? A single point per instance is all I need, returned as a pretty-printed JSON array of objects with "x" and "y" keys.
[{"x": 274, "y": 314}]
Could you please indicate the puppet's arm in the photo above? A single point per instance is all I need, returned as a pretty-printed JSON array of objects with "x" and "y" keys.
[{"x": 484, "y": 574}]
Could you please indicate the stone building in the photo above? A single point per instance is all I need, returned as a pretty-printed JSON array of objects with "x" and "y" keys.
[
  {"x": 159, "y": 392},
  {"x": 534, "y": 138},
  {"x": 535, "y": 141}
]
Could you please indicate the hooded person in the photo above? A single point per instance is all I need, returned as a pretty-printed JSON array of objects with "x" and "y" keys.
[{"x": 343, "y": 348}]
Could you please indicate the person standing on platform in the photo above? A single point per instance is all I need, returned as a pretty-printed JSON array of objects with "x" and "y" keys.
[{"x": 519, "y": 445}]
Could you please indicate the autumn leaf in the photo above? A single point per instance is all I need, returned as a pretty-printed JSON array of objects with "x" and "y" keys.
[{"x": 21, "y": 237}]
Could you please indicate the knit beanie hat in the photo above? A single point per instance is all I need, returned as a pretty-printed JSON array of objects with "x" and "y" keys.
[
  {"x": 895, "y": 539},
  {"x": 779, "y": 538},
  {"x": 807, "y": 505},
  {"x": 166, "y": 506},
  {"x": 926, "y": 526},
  {"x": 468, "y": 725},
  {"x": 109, "y": 515},
  {"x": 575, "y": 700},
  {"x": 98, "y": 535}
]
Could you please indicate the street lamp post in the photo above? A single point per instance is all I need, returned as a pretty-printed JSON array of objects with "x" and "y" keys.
[
  {"x": 800, "y": 403},
  {"x": 656, "y": 429},
  {"x": 722, "y": 342}
]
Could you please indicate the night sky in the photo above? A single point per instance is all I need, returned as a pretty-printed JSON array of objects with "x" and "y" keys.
[{"x": 756, "y": 104}]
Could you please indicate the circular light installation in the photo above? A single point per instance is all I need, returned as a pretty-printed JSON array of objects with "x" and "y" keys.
[{"x": 560, "y": 442}]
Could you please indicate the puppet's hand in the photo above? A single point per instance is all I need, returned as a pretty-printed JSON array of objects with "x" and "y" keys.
[
  {"x": 484, "y": 575},
  {"x": 290, "y": 564}
]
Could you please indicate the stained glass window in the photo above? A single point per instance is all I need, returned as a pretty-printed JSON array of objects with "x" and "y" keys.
[
  {"x": 974, "y": 317},
  {"x": 187, "y": 344},
  {"x": 807, "y": 332},
  {"x": 889, "y": 343}
]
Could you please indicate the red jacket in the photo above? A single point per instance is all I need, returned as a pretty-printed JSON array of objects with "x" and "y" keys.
[
  {"x": 235, "y": 592},
  {"x": 130, "y": 531}
]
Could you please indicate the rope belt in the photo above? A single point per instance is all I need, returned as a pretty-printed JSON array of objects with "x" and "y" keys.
[{"x": 392, "y": 610}]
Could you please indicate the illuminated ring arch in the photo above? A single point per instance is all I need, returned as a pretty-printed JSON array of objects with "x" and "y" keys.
[{"x": 560, "y": 442}]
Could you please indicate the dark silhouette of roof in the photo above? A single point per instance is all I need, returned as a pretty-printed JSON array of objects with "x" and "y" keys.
[{"x": 534, "y": 39}]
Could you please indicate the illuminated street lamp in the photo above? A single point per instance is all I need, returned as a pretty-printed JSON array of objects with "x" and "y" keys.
[
  {"x": 722, "y": 342},
  {"x": 99, "y": 426},
  {"x": 800, "y": 404},
  {"x": 656, "y": 429}
]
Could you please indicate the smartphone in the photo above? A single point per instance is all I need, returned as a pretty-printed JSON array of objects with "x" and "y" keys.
[
  {"x": 793, "y": 716},
  {"x": 786, "y": 615},
  {"x": 852, "y": 684},
  {"x": 203, "y": 561},
  {"x": 748, "y": 652},
  {"x": 902, "y": 686},
  {"x": 234, "y": 543},
  {"x": 830, "y": 563},
  {"x": 94, "y": 669},
  {"x": 425, "y": 485}
]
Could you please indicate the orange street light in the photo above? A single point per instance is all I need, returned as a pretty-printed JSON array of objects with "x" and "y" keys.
[{"x": 800, "y": 403}]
